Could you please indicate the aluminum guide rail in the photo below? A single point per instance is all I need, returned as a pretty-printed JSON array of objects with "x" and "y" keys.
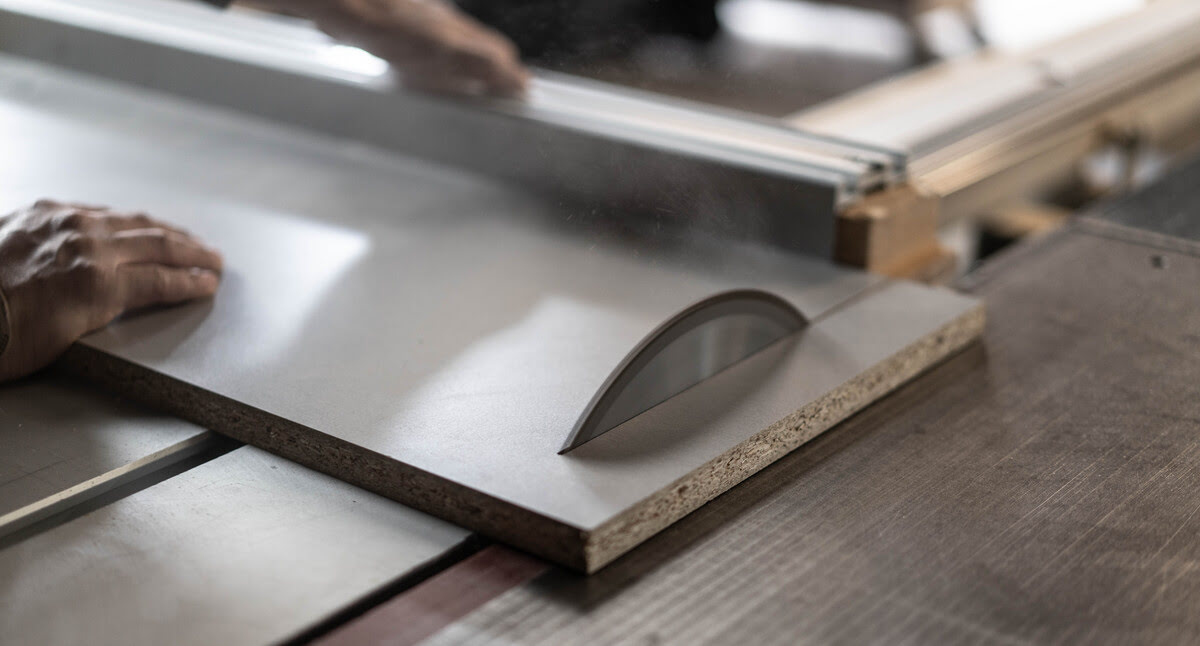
[
  {"x": 741, "y": 177},
  {"x": 970, "y": 120}
]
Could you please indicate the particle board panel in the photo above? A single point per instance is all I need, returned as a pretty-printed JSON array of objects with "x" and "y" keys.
[
  {"x": 247, "y": 548},
  {"x": 1037, "y": 488},
  {"x": 433, "y": 337},
  {"x": 61, "y": 435},
  {"x": 492, "y": 465}
]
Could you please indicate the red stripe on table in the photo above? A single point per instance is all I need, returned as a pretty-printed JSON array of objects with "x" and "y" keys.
[{"x": 439, "y": 601}]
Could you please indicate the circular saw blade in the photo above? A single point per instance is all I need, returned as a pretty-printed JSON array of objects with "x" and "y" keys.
[{"x": 695, "y": 344}]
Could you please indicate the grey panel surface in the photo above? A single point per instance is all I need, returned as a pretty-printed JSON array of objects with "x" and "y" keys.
[
  {"x": 444, "y": 323},
  {"x": 55, "y": 434},
  {"x": 1040, "y": 488},
  {"x": 388, "y": 289},
  {"x": 656, "y": 448},
  {"x": 245, "y": 549}
]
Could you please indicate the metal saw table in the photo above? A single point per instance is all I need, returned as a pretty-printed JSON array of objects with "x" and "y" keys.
[
  {"x": 1039, "y": 488},
  {"x": 149, "y": 529},
  {"x": 1035, "y": 488}
]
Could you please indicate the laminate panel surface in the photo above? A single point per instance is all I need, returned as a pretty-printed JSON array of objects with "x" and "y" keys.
[
  {"x": 1037, "y": 488},
  {"x": 245, "y": 549},
  {"x": 56, "y": 434},
  {"x": 403, "y": 321}
]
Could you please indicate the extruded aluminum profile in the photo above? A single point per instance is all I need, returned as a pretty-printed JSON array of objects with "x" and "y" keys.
[
  {"x": 737, "y": 175},
  {"x": 1001, "y": 126}
]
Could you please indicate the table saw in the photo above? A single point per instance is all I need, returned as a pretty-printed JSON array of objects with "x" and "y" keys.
[{"x": 442, "y": 381}]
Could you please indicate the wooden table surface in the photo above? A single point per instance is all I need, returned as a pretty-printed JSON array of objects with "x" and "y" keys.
[{"x": 1040, "y": 487}]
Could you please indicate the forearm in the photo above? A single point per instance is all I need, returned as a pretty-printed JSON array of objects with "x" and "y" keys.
[
  {"x": 430, "y": 42},
  {"x": 5, "y": 323}
]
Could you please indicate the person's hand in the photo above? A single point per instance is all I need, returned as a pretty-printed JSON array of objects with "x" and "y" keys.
[
  {"x": 68, "y": 269},
  {"x": 433, "y": 44}
]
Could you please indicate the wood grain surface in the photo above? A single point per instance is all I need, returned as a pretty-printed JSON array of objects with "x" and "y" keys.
[{"x": 1038, "y": 488}]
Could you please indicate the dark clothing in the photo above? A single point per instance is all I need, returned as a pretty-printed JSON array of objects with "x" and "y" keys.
[
  {"x": 558, "y": 32},
  {"x": 574, "y": 31}
]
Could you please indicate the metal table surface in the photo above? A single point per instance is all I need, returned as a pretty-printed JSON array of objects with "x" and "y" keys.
[
  {"x": 291, "y": 210},
  {"x": 1169, "y": 207},
  {"x": 365, "y": 292},
  {"x": 246, "y": 548},
  {"x": 57, "y": 435},
  {"x": 1038, "y": 488}
]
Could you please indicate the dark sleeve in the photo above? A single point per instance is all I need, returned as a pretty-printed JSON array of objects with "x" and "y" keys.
[{"x": 219, "y": 3}]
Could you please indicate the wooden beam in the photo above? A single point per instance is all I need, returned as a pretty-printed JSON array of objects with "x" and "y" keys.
[{"x": 894, "y": 233}]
